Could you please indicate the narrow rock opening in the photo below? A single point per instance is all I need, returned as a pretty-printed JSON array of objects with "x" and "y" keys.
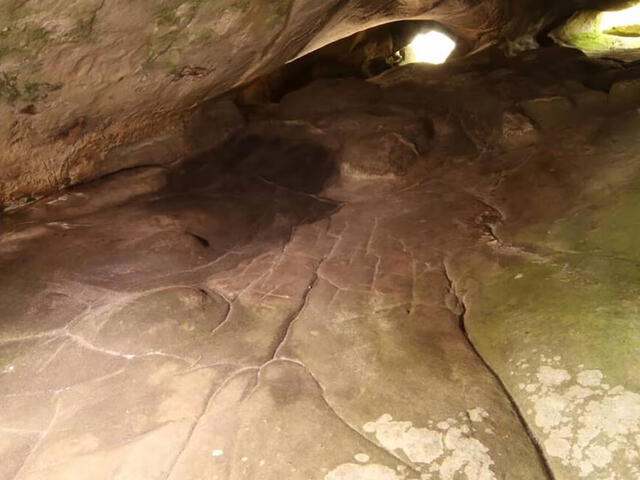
[
  {"x": 365, "y": 54},
  {"x": 613, "y": 33}
]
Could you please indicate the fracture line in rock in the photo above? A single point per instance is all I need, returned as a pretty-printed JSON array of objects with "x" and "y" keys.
[
  {"x": 341, "y": 419},
  {"x": 50, "y": 334},
  {"x": 41, "y": 439},
  {"x": 210, "y": 398},
  {"x": 295, "y": 316},
  {"x": 127, "y": 356},
  {"x": 298, "y": 192},
  {"x": 461, "y": 321},
  {"x": 307, "y": 295}
]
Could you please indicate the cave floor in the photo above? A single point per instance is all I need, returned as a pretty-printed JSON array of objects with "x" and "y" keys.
[{"x": 315, "y": 301}]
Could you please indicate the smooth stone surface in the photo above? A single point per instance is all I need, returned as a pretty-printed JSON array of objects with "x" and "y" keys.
[
  {"x": 549, "y": 112},
  {"x": 625, "y": 93},
  {"x": 272, "y": 315}
]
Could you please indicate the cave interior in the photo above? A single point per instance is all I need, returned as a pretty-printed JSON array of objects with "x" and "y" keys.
[{"x": 341, "y": 240}]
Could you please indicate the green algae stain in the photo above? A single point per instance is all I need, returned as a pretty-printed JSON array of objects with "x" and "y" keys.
[
  {"x": 166, "y": 16},
  {"x": 25, "y": 40},
  {"x": 83, "y": 28},
  {"x": 279, "y": 7},
  {"x": 21, "y": 35},
  {"x": 580, "y": 308},
  {"x": 593, "y": 41},
  {"x": 9, "y": 90},
  {"x": 171, "y": 23},
  {"x": 35, "y": 91},
  {"x": 583, "y": 31},
  {"x": 583, "y": 302},
  {"x": 617, "y": 228},
  {"x": 242, "y": 5},
  {"x": 13, "y": 90},
  {"x": 608, "y": 227},
  {"x": 160, "y": 44},
  {"x": 16, "y": 36},
  {"x": 278, "y": 12}
]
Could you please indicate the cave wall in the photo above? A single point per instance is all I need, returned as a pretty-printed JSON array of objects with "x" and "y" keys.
[{"x": 90, "y": 87}]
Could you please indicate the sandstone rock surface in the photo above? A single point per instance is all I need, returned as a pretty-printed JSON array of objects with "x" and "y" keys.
[
  {"x": 90, "y": 87},
  {"x": 260, "y": 312}
]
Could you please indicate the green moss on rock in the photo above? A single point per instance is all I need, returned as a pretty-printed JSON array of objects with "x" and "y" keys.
[
  {"x": 582, "y": 300},
  {"x": 625, "y": 31},
  {"x": 593, "y": 41},
  {"x": 242, "y": 5},
  {"x": 583, "y": 307},
  {"x": 9, "y": 90},
  {"x": 25, "y": 40},
  {"x": 612, "y": 229},
  {"x": 583, "y": 31},
  {"x": 166, "y": 15},
  {"x": 12, "y": 89},
  {"x": 34, "y": 91},
  {"x": 162, "y": 43}
]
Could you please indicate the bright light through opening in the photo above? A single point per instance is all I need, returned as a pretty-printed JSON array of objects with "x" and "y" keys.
[
  {"x": 621, "y": 18},
  {"x": 431, "y": 47}
]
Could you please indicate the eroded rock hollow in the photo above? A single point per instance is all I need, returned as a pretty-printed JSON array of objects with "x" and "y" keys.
[{"x": 215, "y": 264}]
